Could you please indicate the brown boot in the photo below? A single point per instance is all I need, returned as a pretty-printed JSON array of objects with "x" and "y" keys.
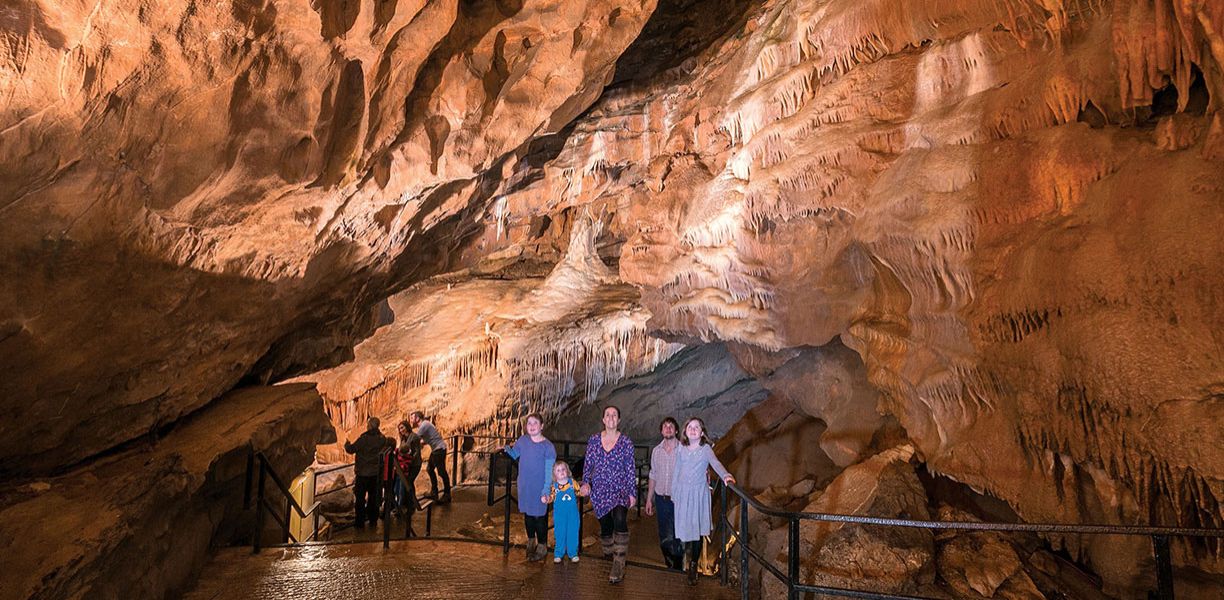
[
  {"x": 620, "y": 547},
  {"x": 541, "y": 552},
  {"x": 531, "y": 549},
  {"x": 606, "y": 542}
]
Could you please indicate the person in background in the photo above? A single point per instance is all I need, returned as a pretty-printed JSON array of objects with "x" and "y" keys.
[
  {"x": 611, "y": 481},
  {"x": 437, "y": 456},
  {"x": 658, "y": 493},
  {"x": 690, "y": 489},
  {"x": 563, "y": 495},
  {"x": 535, "y": 455},
  {"x": 409, "y": 458},
  {"x": 367, "y": 488}
]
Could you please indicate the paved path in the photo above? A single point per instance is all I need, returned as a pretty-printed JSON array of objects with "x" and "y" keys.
[
  {"x": 427, "y": 570},
  {"x": 469, "y": 517}
]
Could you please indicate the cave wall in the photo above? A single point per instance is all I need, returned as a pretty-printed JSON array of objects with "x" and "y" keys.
[
  {"x": 1007, "y": 209},
  {"x": 192, "y": 184},
  {"x": 140, "y": 522}
]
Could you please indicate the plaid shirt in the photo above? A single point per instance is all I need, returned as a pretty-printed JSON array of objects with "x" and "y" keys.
[{"x": 662, "y": 463}]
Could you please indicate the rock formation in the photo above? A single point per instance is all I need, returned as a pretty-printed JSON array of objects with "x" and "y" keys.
[
  {"x": 1000, "y": 215},
  {"x": 138, "y": 524}
]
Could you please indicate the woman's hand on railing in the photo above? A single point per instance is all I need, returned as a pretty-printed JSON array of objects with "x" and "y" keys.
[{"x": 729, "y": 479}]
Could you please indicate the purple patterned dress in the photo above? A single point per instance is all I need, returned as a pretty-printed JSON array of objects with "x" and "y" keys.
[{"x": 611, "y": 475}]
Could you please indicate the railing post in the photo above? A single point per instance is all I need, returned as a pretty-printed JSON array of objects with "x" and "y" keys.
[
  {"x": 429, "y": 520},
  {"x": 743, "y": 542},
  {"x": 386, "y": 506},
  {"x": 314, "y": 489},
  {"x": 284, "y": 529},
  {"x": 259, "y": 510},
  {"x": 250, "y": 472},
  {"x": 637, "y": 489},
  {"x": 1164, "y": 567},
  {"x": 454, "y": 474},
  {"x": 792, "y": 559},
  {"x": 492, "y": 478},
  {"x": 722, "y": 533},
  {"x": 506, "y": 524}
]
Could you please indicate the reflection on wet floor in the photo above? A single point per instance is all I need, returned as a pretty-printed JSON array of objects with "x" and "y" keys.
[
  {"x": 427, "y": 569},
  {"x": 469, "y": 516}
]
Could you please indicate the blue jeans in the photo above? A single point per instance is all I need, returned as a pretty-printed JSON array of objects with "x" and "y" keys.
[{"x": 673, "y": 550}]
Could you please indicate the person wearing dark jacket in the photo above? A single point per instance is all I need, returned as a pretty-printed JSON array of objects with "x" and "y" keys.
[{"x": 369, "y": 448}]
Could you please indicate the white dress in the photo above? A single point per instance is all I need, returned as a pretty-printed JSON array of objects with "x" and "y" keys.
[{"x": 691, "y": 490}]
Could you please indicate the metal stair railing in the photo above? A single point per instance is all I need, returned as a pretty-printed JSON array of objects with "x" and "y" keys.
[
  {"x": 793, "y": 580},
  {"x": 459, "y": 444},
  {"x": 263, "y": 507}
]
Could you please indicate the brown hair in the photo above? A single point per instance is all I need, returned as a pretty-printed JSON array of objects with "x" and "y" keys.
[
  {"x": 535, "y": 416},
  {"x": 613, "y": 407},
  {"x": 673, "y": 422},
  {"x": 684, "y": 439}
]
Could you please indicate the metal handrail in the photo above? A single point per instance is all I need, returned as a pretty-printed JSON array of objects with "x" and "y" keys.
[
  {"x": 266, "y": 470},
  {"x": 1159, "y": 534},
  {"x": 456, "y": 448}
]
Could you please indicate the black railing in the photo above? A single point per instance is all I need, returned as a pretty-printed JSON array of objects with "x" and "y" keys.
[
  {"x": 793, "y": 579},
  {"x": 727, "y": 532},
  {"x": 263, "y": 507}
]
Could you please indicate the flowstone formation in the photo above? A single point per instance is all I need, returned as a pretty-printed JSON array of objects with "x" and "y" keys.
[
  {"x": 479, "y": 351},
  {"x": 1007, "y": 209}
]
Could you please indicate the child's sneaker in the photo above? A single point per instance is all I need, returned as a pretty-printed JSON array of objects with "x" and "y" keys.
[
  {"x": 557, "y": 560},
  {"x": 574, "y": 559}
]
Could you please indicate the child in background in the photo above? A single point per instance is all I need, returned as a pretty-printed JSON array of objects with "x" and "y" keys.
[{"x": 563, "y": 494}]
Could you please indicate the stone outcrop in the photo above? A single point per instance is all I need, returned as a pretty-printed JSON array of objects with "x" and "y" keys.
[
  {"x": 895, "y": 560},
  {"x": 140, "y": 523}
]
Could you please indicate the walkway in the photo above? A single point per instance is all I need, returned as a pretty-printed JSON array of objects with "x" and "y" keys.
[
  {"x": 469, "y": 517},
  {"x": 427, "y": 570}
]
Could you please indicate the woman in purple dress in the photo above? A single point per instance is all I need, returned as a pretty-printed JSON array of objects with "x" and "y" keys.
[{"x": 610, "y": 479}]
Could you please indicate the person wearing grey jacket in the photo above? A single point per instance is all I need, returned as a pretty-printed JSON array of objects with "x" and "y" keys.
[{"x": 367, "y": 488}]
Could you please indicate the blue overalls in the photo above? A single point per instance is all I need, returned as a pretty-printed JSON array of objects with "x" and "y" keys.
[{"x": 565, "y": 518}]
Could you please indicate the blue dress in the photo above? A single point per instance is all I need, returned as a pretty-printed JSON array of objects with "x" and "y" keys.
[{"x": 535, "y": 473}]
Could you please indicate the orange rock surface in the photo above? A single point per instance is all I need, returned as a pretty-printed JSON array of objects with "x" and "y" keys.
[{"x": 1009, "y": 210}]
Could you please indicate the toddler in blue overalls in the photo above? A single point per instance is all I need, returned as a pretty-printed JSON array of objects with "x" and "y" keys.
[{"x": 563, "y": 494}]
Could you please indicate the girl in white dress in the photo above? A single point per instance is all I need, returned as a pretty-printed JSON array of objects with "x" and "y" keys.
[{"x": 691, "y": 490}]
